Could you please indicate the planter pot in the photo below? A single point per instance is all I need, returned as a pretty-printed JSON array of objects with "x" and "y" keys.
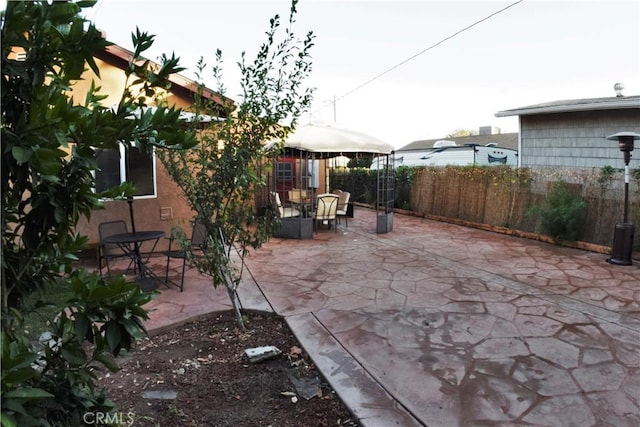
[
  {"x": 295, "y": 228},
  {"x": 385, "y": 223}
]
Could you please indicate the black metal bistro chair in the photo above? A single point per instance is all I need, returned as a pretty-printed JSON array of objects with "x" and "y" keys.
[
  {"x": 110, "y": 252},
  {"x": 198, "y": 242}
]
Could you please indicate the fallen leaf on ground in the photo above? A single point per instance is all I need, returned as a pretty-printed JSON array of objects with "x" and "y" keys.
[{"x": 295, "y": 351}]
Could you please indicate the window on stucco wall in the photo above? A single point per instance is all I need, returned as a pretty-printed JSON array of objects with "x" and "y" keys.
[{"x": 113, "y": 166}]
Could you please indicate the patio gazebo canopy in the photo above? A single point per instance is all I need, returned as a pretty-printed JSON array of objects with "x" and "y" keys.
[
  {"x": 318, "y": 140},
  {"x": 329, "y": 140},
  {"x": 332, "y": 140}
]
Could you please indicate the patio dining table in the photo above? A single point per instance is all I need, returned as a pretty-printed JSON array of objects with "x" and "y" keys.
[
  {"x": 304, "y": 206},
  {"x": 130, "y": 244}
]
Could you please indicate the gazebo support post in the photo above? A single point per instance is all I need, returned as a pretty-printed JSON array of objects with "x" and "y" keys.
[{"x": 385, "y": 196}]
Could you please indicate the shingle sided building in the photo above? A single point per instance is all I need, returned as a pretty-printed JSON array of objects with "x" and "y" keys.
[{"x": 572, "y": 133}]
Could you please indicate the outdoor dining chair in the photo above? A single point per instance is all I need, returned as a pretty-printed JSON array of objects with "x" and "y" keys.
[
  {"x": 282, "y": 211},
  {"x": 198, "y": 242},
  {"x": 343, "y": 204},
  {"x": 326, "y": 208},
  {"x": 298, "y": 196},
  {"x": 110, "y": 252}
]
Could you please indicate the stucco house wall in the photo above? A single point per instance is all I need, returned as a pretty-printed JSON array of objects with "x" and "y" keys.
[{"x": 167, "y": 207}]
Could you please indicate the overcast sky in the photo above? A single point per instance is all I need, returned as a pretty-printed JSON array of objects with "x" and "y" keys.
[{"x": 535, "y": 51}]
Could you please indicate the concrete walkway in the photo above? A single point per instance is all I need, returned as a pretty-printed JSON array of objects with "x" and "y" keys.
[{"x": 440, "y": 325}]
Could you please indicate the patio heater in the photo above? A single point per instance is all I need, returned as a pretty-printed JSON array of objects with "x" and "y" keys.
[{"x": 623, "y": 233}]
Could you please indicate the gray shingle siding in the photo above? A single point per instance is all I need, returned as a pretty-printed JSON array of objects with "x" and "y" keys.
[{"x": 576, "y": 139}]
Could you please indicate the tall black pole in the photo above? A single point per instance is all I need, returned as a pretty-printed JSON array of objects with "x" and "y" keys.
[
  {"x": 136, "y": 245},
  {"x": 627, "y": 157},
  {"x": 622, "y": 247},
  {"x": 129, "y": 198},
  {"x": 133, "y": 222}
]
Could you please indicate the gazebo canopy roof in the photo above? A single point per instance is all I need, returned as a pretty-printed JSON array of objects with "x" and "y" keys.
[{"x": 330, "y": 140}]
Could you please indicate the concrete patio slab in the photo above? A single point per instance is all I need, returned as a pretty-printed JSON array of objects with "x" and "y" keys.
[{"x": 441, "y": 325}]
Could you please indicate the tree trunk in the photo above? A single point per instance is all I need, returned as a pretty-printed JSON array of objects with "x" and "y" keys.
[
  {"x": 236, "y": 307},
  {"x": 233, "y": 296}
]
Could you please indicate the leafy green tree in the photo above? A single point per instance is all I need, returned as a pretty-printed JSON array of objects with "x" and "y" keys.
[
  {"x": 360, "y": 162},
  {"x": 49, "y": 149},
  {"x": 461, "y": 132},
  {"x": 223, "y": 174}
]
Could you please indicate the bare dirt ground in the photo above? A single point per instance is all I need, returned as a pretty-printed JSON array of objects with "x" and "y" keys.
[{"x": 199, "y": 375}]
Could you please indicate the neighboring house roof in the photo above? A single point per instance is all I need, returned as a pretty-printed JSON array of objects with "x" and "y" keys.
[
  {"x": 505, "y": 140},
  {"x": 572, "y": 105},
  {"x": 182, "y": 86}
]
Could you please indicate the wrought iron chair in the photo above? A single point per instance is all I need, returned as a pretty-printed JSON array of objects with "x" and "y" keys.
[
  {"x": 109, "y": 252},
  {"x": 198, "y": 243}
]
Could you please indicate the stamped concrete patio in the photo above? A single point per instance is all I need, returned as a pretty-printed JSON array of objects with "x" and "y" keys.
[{"x": 440, "y": 325}]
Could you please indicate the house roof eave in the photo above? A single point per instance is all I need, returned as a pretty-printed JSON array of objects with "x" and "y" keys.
[
  {"x": 119, "y": 57},
  {"x": 574, "y": 105}
]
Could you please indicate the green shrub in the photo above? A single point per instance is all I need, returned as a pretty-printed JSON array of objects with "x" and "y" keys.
[
  {"x": 404, "y": 178},
  {"x": 52, "y": 381},
  {"x": 47, "y": 187},
  {"x": 360, "y": 162},
  {"x": 361, "y": 183},
  {"x": 563, "y": 215}
]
